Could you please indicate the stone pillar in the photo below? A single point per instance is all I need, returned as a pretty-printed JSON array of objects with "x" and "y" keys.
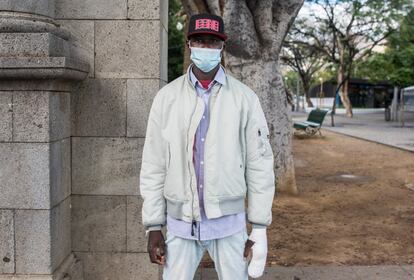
[
  {"x": 38, "y": 66},
  {"x": 125, "y": 42}
]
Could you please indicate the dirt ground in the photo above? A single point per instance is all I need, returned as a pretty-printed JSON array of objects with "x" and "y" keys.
[{"x": 365, "y": 217}]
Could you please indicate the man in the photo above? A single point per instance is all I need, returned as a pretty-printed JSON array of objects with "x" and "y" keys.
[{"x": 206, "y": 149}]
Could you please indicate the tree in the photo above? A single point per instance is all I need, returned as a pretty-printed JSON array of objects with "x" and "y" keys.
[
  {"x": 256, "y": 30},
  {"x": 175, "y": 40},
  {"x": 347, "y": 30},
  {"x": 396, "y": 64},
  {"x": 303, "y": 59}
]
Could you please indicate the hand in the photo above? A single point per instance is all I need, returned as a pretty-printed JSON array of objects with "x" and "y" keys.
[
  {"x": 248, "y": 248},
  {"x": 156, "y": 247},
  {"x": 259, "y": 250}
]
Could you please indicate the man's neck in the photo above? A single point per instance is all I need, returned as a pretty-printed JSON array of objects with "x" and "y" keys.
[{"x": 200, "y": 75}]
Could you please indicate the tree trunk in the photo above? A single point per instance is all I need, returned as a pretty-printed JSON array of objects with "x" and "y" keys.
[
  {"x": 343, "y": 92},
  {"x": 258, "y": 29},
  {"x": 306, "y": 90}
]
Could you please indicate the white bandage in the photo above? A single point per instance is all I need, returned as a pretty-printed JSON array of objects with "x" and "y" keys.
[{"x": 258, "y": 261}]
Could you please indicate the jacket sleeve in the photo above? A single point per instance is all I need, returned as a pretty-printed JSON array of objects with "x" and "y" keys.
[
  {"x": 153, "y": 170},
  {"x": 259, "y": 174}
]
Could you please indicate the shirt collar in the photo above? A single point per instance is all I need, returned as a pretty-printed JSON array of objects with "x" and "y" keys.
[{"x": 219, "y": 78}]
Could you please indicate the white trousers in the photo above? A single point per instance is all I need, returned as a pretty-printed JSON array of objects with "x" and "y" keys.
[{"x": 184, "y": 255}]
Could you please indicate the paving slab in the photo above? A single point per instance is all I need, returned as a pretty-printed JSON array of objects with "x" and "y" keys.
[
  {"x": 283, "y": 273},
  {"x": 329, "y": 273},
  {"x": 388, "y": 272},
  {"x": 409, "y": 269}
]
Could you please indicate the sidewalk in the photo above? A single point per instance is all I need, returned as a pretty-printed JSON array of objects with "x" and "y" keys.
[
  {"x": 382, "y": 272},
  {"x": 371, "y": 127}
]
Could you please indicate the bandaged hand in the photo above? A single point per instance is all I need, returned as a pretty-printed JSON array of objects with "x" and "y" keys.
[{"x": 259, "y": 252}]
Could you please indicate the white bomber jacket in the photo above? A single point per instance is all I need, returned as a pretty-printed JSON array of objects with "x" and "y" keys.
[{"x": 238, "y": 158}]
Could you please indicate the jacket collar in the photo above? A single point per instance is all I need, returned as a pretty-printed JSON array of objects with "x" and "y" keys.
[{"x": 220, "y": 77}]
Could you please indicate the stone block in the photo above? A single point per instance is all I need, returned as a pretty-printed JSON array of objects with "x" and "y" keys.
[
  {"x": 99, "y": 108},
  {"x": 107, "y": 166},
  {"x": 52, "y": 69},
  {"x": 6, "y": 113},
  {"x": 59, "y": 115},
  {"x": 32, "y": 45},
  {"x": 82, "y": 39},
  {"x": 24, "y": 175},
  {"x": 60, "y": 222},
  {"x": 127, "y": 49},
  {"x": 60, "y": 171},
  {"x": 140, "y": 93},
  {"x": 31, "y": 116},
  {"x": 130, "y": 266},
  {"x": 41, "y": 116},
  {"x": 91, "y": 9},
  {"x": 136, "y": 240},
  {"x": 33, "y": 242},
  {"x": 149, "y": 9},
  {"x": 70, "y": 269},
  {"x": 40, "y": 7},
  {"x": 99, "y": 224},
  {"x": 6, "y": 241}
]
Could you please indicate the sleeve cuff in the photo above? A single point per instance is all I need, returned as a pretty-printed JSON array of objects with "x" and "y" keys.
[
  {"x": 152, "y": 228},
  {"x": 258, "y": 226}
]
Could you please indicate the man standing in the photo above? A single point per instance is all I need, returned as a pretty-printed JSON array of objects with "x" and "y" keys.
[{"x": 207, "y": 149}]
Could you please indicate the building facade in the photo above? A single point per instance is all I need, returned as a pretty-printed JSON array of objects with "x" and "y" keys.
[{"x": 77, "y": 79}]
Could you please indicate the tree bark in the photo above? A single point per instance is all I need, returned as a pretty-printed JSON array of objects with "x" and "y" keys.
[{"x": 343, "y": 92}]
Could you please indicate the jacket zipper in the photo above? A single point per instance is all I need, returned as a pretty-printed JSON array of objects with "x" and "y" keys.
[{"x": 194, "y": 222}]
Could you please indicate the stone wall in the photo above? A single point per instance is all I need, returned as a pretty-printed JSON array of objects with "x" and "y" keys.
[
  {"x": 125, "y": 42},
  {"x": 70, "y": 145}
]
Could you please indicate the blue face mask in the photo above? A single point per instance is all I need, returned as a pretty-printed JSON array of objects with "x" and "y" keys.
[{"x": 205, "y": 59}]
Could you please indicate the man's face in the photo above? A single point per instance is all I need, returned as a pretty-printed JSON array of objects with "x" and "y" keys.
[{"x": 205, "y": 41}]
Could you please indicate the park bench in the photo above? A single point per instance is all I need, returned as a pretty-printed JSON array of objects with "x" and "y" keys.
[{"x": 314, "y": 122}]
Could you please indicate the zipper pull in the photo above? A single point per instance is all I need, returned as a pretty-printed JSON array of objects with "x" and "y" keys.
[{"x": 193, "y": 225}]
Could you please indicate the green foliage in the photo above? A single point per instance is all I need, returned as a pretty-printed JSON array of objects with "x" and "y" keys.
[
  {"x": 397, "y": 63},
  {"x": 344, "y": 31},
  {"x": 175, "y": 40}
]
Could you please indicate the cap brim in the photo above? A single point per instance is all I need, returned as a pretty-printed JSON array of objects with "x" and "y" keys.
[{"x": 221, "y": 36}]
